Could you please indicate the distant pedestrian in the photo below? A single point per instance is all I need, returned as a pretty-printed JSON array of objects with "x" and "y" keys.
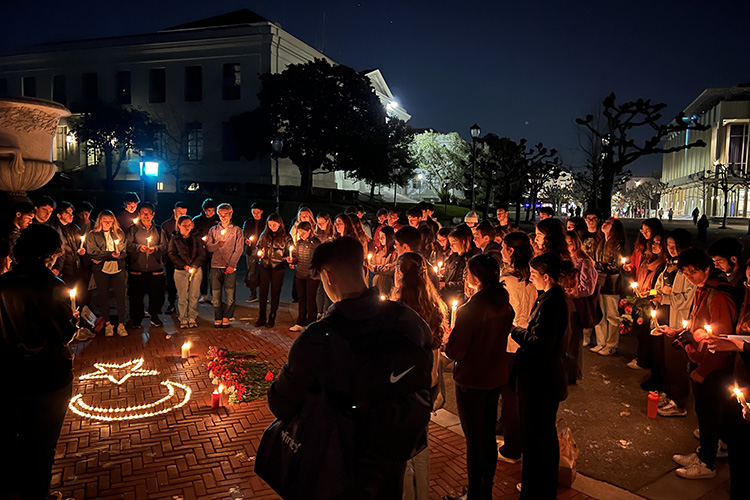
[
  {"x": 696, "y": 213},
  {"x": 671, "y": 214},
  {"x": 702, "y": 228}
]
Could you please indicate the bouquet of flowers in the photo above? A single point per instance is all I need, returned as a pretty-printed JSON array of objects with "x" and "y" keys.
[
  {"x": 633, "y": 309},
  {"x": 244, "y": 379}
]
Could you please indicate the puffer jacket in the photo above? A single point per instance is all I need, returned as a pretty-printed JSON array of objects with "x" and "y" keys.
[
  {"x": 36, "y": 324},
  {"x": 96, "y": 247},
  {"x": 188, "y": 251},
  {"x": 275, "y": 248},
  {"x": 303, "y": 253}
]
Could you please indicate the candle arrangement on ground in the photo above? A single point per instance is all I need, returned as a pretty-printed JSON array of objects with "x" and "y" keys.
[{"x": 243, "y": 378}]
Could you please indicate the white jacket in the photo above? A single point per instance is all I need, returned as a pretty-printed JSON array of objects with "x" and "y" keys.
[{"x": 522, "y": 299}]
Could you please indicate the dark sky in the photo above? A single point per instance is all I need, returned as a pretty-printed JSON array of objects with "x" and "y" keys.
[{"x": 524, "y": 69}]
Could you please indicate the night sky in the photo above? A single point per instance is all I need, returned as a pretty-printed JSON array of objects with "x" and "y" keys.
[{"x": 524, "y": 69}]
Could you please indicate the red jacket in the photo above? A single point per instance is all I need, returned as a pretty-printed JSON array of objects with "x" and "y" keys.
[{"x": 712, "y": 305}]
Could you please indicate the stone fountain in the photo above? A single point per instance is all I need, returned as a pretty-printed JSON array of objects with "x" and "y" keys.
[{"x": 27, "y": 133}]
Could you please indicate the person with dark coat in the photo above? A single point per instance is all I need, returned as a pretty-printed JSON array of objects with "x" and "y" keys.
[
  {"x": 203, "y": 222},
  {"x": 541, "y": 378},
  {"x": 70, "y": 266},
  {"x": 484, "y": 239},
  {"x": 128, "y": 216},
  {"x": 36, "y": 325},
  {"x": 696, "y": 213},
  {"x": 273, "y": 249},
  {"x": 703, "y": 228},
  {"x": 304, "y": 281},
  {"x": 478, "y": 345},
  {"x": 187, "y": 254},
  {"x": 146, "y": 243},
  {"x": 251, "y": 230},
  {"x": 169, "y": 227}
]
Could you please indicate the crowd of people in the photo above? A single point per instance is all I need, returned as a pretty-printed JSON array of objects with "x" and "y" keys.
[{"x": 508, "y": 312}]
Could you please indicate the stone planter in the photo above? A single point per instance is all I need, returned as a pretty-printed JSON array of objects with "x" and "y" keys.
[{"x": 27, "y": 133}]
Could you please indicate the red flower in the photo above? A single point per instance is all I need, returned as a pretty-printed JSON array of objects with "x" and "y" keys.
[
  {"x": 640, "y": 321},
  {"x": 269, "y": 376},
  {"x": 628, "y": 309}
]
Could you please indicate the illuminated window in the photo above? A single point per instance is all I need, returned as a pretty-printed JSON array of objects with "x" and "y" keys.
[
  {"x": 195, "y": 141},
  {"x": 160, "y": 186},
  {"x": 61, "y": 144},
  {"x": 738, "y": 146}
]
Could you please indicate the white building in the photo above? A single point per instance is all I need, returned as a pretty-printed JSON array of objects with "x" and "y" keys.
[
  {"x": 692, "y": 174},
  {"x": 191, "y": 77}
]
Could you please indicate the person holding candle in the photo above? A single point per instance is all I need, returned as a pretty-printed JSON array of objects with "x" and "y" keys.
[
  {"x": 106, "y": 247},
  {"x": 344, "y": 226},
  {"x": 441, "y": 249},
  {"x": 146, "y": 243},
  {"x": 274, "y": 245},
  {"x": 187, "y": 253},
  {"x": 69, "y": 267},
  {"x": 127, "y": 216},
  {"x": 540, "y": 376},
  {"x": 306, "y": 284},
  {"x": 37, "y": 369},
  {"x": 414, "y": 288},
  {"x": 304, "y": 214},
  {"x": 608, "y": 257},
  {"x": 169, "y": 227},
  {"x": 203, "y": 222},
  {"x": 674, "y": 297},
  {"x": 383, "y": 263},
  {"x": 727, "y": 256},
  {"x": 710, "y": 372},
  {"x": 226, "y": 242},
  {"x": 251, "y": 230},
  {"x": 324, "y": 233},
  {"x": 455, "y": 266}
]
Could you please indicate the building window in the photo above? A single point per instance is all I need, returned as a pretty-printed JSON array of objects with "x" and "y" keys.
[
  {"x": 3, "y": 87},
  {"x": 90, "y": 83},
  {"x": 62, "y": 144},
  {"x": 228, "y": 145},
  {"x": 28, "y": 84},
  {"x": 193, "y": 83},
  {"x": 123, "y": 87},
  {"x": 160, "y": 186},
  {"x": 59, "y": 92},
  {"x": 232, "y": 82},
  {"x": 738, "y": 145},
  {"x": 157, "y": 85},
  {"x": 195, "y": 141}
]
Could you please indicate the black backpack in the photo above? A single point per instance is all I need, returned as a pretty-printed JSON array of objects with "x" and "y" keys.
[{"x": 389, "y": 380}]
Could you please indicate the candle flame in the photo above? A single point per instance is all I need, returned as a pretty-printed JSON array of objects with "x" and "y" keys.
[
  {"x": 260, "y": 253},
  {"x": 435, "y": 268},
  {"x": 221, "y": 388},
  {"x": 708, "y": 329},
  {"x": 653, "y": 313},
  {"x": 737, "y": 391},
  {"x": 291, "y": 248},
  {"x": 148, "y": 238},
  {"x": 455, "y": 304},
  {"x": 382, "y": 297},
  {"x": 252, "y": 238},
  {"x": 191, "y": 270},
  {"x": 187, "y": 345},
  {"x": 623, "y": 260},
  {"x": 135, "y": 221},
  {"x": 72, "y": 293},
  {"x": 83, "y": 238},
  {"x": 117, "y": 242},
  {"x": 684, "y": 324},
  {"x": 223, "y": 232},
  {"x": 204, "y": 238},
  {"x": 634, "y": 285},
  {"x": 440, "y": 264}
]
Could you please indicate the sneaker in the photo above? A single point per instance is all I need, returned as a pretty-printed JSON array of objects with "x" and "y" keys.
[
  {"x": 596, "y": 348},
  {"x": 252, "y": 299},
  {"x": 109, "y": 330},
  {"x": 192, "y": 323},
  {"x": 633, "y": 365},
  {"x": 663, "y": 399},
  {"x": 156, "y": 322},
  {"x": 686, "y": 460},
  {"x": 698, "y": 470},
  {"x": 509, "y": 460},
  {"x": 607, "y": 351},
  {"x": 121, "y": 331},
  {"x": 671, "y": 410},
  {"x": 183, "y": 324},
  {"x": 296, "y": 328}
]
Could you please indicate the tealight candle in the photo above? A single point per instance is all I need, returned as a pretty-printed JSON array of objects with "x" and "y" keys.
[
  {"x": 186, "y": 350},
  {"x": 73, "y": 299},
  {"x": 454, "y": 308}
]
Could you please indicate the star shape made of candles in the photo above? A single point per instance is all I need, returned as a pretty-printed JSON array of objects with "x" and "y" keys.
[{"x": 104, "y": 371}]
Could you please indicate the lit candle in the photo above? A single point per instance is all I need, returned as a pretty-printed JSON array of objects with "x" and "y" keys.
[
  {"x": 709, "y": 331},
  {"x": 223, "y": 232},
  {"x": 216, "y": 397},
  {"x": 382, "y": 297},
  {"x": 440, "y": 264},
  {"x": 83, "y": 238},
  {"x": 740, "y": 396},
  {"x": 623, "y": 261},
  {"x": 291, "y": 251},
  {"x": 634, "y": 286},
  {"x": 369, "y": 258},
  {"x": 654, "y": 323},
  {"x": 684, "y": 324},
  {"x": 435, "y": 268},
  {"x": 454, "y": 308},
  {"x": 135, "y": 221},
  {"x": 252, "y": 238},
  {"x": 204, "y": 238},
  {"x": 148, "y": 241},
  {"x": 260, "y": 253},
  {"x": 186, "y": 350},
  {"x": 73, "y": 299},
  {"x": 117, "y": 242},
  {"x": 191, "y": 271}
]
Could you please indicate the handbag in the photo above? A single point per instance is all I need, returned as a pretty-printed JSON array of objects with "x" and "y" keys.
[{"x": 568, "y": 455}]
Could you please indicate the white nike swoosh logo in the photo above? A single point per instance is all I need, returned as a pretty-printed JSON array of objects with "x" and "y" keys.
[{"x": 396, "y": 378}]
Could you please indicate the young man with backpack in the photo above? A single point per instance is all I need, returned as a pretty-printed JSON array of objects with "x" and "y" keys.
[{"x": 370, "y": 361}]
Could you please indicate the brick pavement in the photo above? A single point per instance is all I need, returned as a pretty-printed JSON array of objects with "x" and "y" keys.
[{"x": 195, "y": 452}]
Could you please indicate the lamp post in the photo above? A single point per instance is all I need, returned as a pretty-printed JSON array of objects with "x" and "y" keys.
[
  {"x": 276, "y": 146},
  {"x": 475, "y": 131},
  {"x": 149, "y": 167}
]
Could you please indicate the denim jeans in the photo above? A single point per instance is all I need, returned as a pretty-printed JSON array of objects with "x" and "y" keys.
[
  {"x": 188, "y": 292},
  {"x": 226, "y": 283}
]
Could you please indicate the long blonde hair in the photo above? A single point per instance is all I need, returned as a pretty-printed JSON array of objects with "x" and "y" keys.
[{"x": 115, "y": 225}]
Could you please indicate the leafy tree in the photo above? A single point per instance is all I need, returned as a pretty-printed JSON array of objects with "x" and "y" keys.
[
  {"x": 327, "y": 115},
  {"x": 644, "y": 195},
  {"x": 113, "y": 131},
  {"x": 441, "y": 157},
  {"x": 616, "y": 129},
  {"x": 499, "y": 169}
]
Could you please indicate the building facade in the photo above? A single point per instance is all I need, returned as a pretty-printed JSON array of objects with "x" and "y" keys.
[
  {"x": 191, "y": 78},
  {"x": 704, "y": 178}
]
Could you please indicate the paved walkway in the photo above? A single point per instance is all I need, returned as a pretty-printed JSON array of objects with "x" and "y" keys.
[{"x": 195, "y": 452}]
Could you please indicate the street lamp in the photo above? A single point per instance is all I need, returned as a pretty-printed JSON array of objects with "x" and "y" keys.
[
  {"x": 277, "y": 143},
  {"x": 149, "y": 169},
  {"x": 475, "y": 131}
]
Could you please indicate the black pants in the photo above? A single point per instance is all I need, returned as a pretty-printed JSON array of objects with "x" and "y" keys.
[
  {"x": 118, "y": 284},
  {"x": 171, "y": 287},
  {"x": 513, "y": 446},
  {"x": 738, "y": 440},
  {"x": 307, "y": 293},
  {"x": 675, "y": 373},
  {"x": 477, "y": 409},
  {"x": 30, "y": 426},
  {"x": 206, "y": 273},
  {"x": 574, "y": 352},
  {"x": 252, "y": 278},
  {"x": 273, "y": 279},
  {"x": 541, "y": 450},
  {"x": 138, "y": 286},
  {"x": 378, "y": 479},
  {"x": 645, "y": 352},
  {"x": 710, "y": 405}
]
